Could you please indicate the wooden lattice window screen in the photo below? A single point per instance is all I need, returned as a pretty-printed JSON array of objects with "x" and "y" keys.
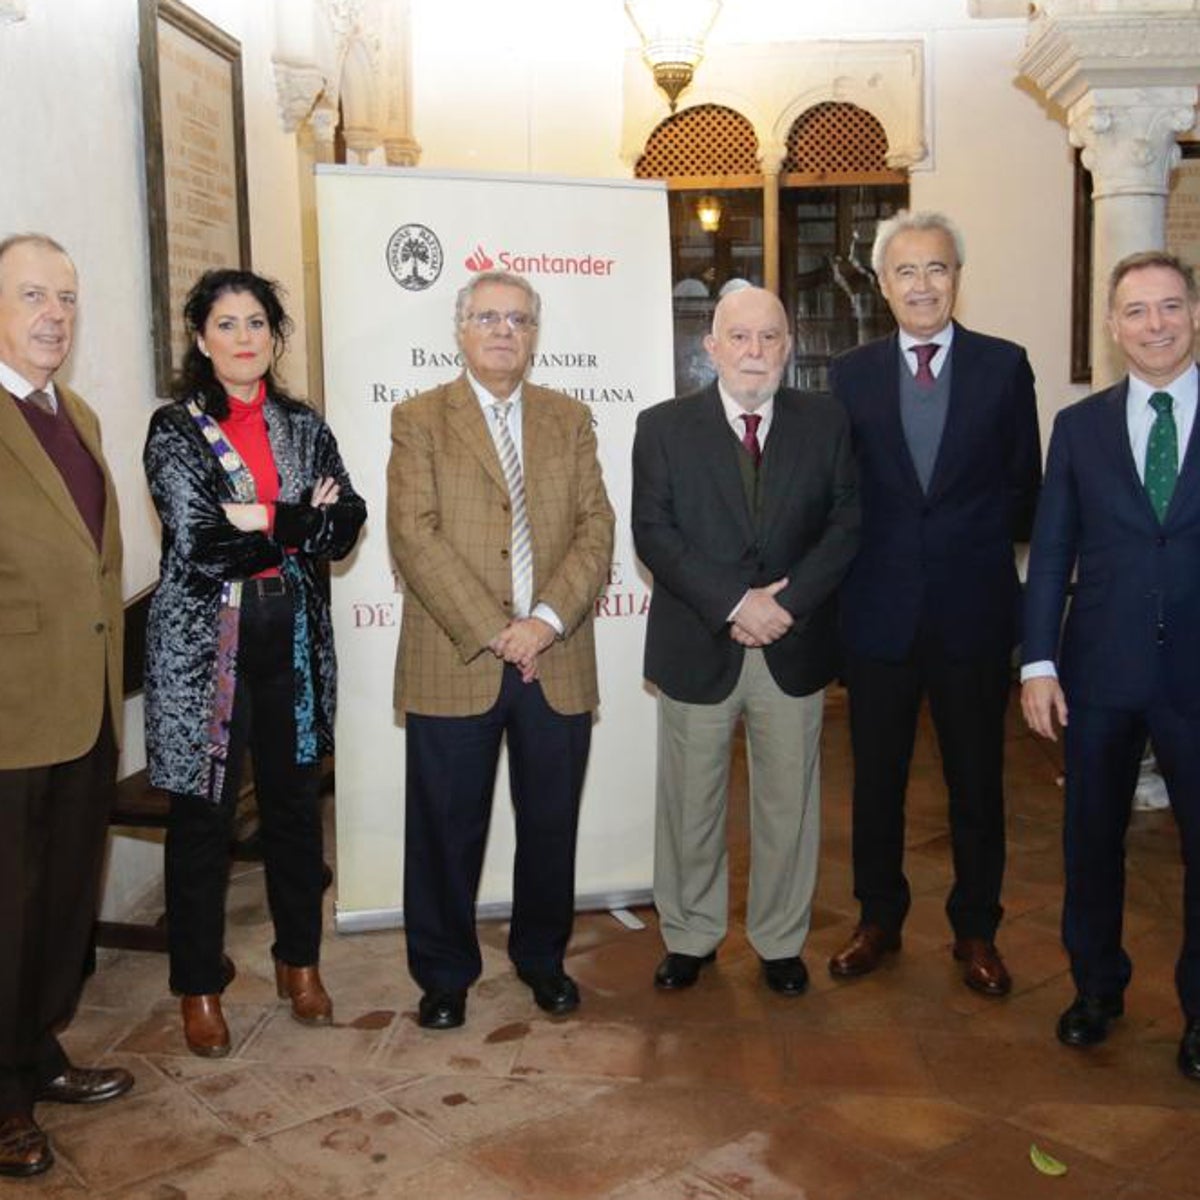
[
  {"x": 835, "y": 139},
  {"x": 706, "y": 140}
]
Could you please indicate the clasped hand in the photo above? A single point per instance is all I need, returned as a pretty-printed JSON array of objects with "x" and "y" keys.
[
  {"x": 520, "y": 642},
  {"x": 760, "y": 618}
]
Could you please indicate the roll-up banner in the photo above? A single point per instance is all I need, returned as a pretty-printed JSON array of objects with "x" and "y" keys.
[{"x": 396, "y": 245}]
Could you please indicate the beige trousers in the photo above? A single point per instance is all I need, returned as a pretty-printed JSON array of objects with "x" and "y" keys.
[{"x": 691, "y": 879}]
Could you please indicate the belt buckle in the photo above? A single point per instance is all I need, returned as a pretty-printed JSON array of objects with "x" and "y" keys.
[{"x": 271, "y": 585}]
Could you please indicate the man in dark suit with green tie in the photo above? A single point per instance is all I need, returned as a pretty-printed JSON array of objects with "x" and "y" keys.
[{"x": 1121, "y": 511}]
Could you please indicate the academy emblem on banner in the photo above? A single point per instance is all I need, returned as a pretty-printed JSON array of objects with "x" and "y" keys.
[{"x": 414, "y": 257}]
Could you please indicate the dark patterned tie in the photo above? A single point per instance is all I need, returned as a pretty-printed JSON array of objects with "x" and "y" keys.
[
  {"x": 40, "y": 399},
  {"x": 522, "y": 537},
  {"x": 1162, "y": 454},
  {"x": 925, "y": 377},
  {"x": 750, "y": 437}
]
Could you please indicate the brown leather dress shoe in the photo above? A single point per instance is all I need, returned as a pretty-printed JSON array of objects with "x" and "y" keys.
[
  {"x": 86, "y": 1085},
  {"x": 204, "y": 1026},
  {"x": 311, "y": 1004},
  {"x": 864, "y": 951},
  {"x": 24, "y": 1148},
  {"x": 983, "y": 968}
]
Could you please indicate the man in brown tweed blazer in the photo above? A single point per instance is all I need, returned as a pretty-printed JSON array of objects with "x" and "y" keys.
[
  {"x": 61, "y": 626},
  {"x": 500, "y": 525}
]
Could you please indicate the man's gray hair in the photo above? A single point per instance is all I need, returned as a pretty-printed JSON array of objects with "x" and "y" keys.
[
  {"x": 904, "y": 221},
  {"x": 13, "y": 240},
  {"x": 463, "y": 301}
]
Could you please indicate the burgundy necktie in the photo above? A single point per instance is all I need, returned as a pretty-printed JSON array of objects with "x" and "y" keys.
[
  {"x": 925, "y": 353},
  {"x": 750, "y": 437}
]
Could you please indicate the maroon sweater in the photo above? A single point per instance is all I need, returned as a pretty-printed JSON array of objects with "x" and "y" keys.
[{"x": 79, "y": 470}]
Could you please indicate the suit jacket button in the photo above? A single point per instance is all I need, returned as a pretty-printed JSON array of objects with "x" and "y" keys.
[
  {"x": 503, "y": 553},
  {"x": 1162, "y": 541},
  {"x": 99, "y": 626}
]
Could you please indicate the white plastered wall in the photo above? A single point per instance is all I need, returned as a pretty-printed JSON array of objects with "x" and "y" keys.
[
  {"x": 535, "y": 86},
  {"x": 73, "y": 167}
]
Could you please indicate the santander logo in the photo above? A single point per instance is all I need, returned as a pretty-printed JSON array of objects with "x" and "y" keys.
[
  {"x": 538, "y": 262},
  {"x": 479, "y": 260}
]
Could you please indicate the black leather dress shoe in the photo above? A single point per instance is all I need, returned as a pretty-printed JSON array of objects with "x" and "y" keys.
[
  {"x": 24, "y": 1148},
  {"x": 86, "y": 1085},
  {"x": 442, "y": 1010},
  {"x": 553, "y": 991},
  {"x": 787, "y": 976},
  {"x": 1189, "y": 1050},
  {"x": 1085, "y": 1023},
  {"x": 681, "y": 970}
]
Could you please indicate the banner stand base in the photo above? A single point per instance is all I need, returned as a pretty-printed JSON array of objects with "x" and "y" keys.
[{"x": 369, "y": 920}]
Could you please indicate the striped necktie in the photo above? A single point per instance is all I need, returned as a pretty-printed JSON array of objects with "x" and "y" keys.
[{"x": 521, "y": 539}]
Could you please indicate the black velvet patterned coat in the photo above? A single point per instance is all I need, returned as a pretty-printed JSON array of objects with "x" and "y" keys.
[{"x": 201, "y": 550}]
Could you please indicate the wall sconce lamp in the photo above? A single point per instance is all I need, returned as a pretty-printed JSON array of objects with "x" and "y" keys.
[
  {"x": 708, "y": 213},
  {"x": 672, "y": 33}
]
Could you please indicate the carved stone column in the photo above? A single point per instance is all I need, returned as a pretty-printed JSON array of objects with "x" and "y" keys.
[
  {"x": 771, "y": 159},
  {"x": 1125, "y": 74},
  {"x": 399, "y": 146},
  {"x": 1128, "y": 139}
]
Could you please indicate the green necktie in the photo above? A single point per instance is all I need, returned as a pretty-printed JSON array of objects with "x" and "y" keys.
[{"x": 1162, "y": 455}]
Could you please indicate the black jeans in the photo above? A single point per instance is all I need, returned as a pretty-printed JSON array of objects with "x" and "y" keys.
[{"x": 287, "y": 794}]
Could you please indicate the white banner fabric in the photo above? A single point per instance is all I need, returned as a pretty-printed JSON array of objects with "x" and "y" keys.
[{"x": 396, "y": 245}]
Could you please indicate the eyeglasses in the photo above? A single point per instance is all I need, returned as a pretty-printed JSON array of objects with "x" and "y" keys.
[{"x": 518, "y": 322}]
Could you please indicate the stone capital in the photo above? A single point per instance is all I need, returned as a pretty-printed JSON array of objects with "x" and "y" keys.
[
  {"x": 771, "y": 156},
  {"x": 400, "y": 150},
  {"x": 297, "y": 87},
  {"x": 1128, "y": 137},
  {"x": 1073, "y": 48}
]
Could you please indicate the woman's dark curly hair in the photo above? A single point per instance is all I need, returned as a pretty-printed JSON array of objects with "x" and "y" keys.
[{"x": 196, "y": 377}]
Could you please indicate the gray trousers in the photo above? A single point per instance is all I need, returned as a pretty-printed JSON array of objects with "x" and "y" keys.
[{"x": 691, "y": 878}]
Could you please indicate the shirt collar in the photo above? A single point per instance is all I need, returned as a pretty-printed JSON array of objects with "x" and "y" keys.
[
  {"x": 486, "y": 399},
  {"x": 943, "y": 338},
  {"x": 734, "y": 411},
  {"x": 20, "y": 387},
  {"x": 1183, "y": 387}
]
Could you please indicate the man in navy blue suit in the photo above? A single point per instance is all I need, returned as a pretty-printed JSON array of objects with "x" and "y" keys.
[
  {"x": 1121, "y": 508},
  {"x": 946, "y": 433}
]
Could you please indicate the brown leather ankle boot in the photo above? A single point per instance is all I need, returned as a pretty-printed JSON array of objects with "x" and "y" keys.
[
  {"x": 311, "y": 1004},
  {"x": 204, "y": 1026}
]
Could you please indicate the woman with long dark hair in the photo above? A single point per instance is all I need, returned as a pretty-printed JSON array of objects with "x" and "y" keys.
[{"x": 252, "y": 494}]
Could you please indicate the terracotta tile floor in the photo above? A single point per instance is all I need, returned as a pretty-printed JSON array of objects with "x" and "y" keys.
[{"x": 900, "y": 1086}]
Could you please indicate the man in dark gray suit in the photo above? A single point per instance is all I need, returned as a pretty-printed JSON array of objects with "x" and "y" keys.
[{"x": 745, "y": 508}]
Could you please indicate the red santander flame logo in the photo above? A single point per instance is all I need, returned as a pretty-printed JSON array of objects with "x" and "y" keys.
[{"x": 479, "y": 260}]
